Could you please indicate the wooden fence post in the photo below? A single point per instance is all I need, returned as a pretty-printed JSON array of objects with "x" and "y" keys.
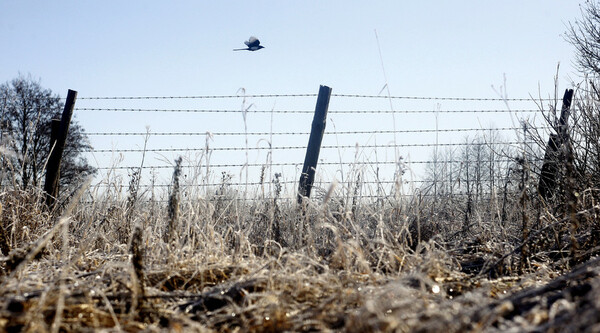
[
  {"x": 314, "y": 143},
  {"x": 549, "y": 172},
  {"x": 57, "y": 147}
]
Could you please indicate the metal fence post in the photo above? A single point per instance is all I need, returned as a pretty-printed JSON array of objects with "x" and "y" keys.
[
  {"x": 314, "y": 143},
  {"x": 549, "y": 172}
]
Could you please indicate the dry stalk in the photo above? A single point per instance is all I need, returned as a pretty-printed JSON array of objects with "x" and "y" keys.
[
  {"x": 137, "y": 261},
  {"x": 4, "y": 246},
  {"x": 60, "y": 304},
  {"x": 171, "y": 234}
]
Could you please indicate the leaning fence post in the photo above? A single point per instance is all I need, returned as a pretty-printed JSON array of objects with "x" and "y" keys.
[
  {"x": 57, "y": 148},
  {"x": 549, "y": 172},
  {"x": 314, "y": 143}
]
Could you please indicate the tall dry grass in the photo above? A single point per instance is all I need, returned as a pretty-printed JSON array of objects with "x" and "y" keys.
[
  {"x": 454, "y": 256},
  {"x": 216, "y": 262}
]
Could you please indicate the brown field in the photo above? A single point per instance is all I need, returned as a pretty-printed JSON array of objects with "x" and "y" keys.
[{"x": 204, "y": 264}]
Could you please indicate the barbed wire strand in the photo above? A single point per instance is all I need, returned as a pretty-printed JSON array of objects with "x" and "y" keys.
[
  {"x": 358, "y": 163},
  {"x": 215, "y": 197},
  {"x": 287, "y": 182},
  {"x": 308, "y": 133},
  {"x": 433, "y": 98},
  {"x": 196, "y": 96},
  {"x": 295, "y": 147},
  {"x": 303, "y": 111}
]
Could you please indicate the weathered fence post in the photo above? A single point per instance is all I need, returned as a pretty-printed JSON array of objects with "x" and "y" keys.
[
  {"x": 57, "y": 147},
  {"x": 549, "y": 172},
  {"x": 314, "y": 143},
  {"x": 54, "y": 129}
]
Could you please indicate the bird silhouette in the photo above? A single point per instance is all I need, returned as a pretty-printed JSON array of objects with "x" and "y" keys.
[{"x": 253, "y": 45}]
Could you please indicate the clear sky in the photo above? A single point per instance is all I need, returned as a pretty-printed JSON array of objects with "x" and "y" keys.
[
  {"x": 175, "y": 48},
  {"x": 184, "y": 47}
]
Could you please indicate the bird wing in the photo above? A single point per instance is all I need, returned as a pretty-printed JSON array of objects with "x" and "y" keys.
[{"x": 252, "y": 41}]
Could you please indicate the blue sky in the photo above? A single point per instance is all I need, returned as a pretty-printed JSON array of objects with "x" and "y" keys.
[
  {"x": 184, "y": 47},
  {"x": 175, "y": 48}
]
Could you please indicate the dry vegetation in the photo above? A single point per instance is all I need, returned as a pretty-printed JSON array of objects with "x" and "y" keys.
[
  {"x": 214, "y": 263},
  {"x": 466, "y": 253}
]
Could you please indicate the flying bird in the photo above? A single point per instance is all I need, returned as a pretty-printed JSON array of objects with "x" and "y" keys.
[{"x": 253, "y": 45}]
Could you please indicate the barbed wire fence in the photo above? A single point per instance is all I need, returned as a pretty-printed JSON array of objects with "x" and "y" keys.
[{"x": 249, "y": 144}]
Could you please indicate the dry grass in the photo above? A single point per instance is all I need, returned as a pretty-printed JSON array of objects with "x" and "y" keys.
[{"x": 269, "y": 266}]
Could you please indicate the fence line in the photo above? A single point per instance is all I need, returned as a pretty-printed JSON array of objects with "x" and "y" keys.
[
  {"x": 150, "y": 150},
  {"x": 463, "y": 196},
  {"x": 307, "y": 133},
  {"x": 197, "y": 96},
  {"x": 414, "y": 111},
  {"x": 292, "y": 182},
  {"x": 358, "y": 138},
  {"x": 359, "y": 163},
  {"x": 305, "y": 111},
  {"x": 428, "y": 98}
]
